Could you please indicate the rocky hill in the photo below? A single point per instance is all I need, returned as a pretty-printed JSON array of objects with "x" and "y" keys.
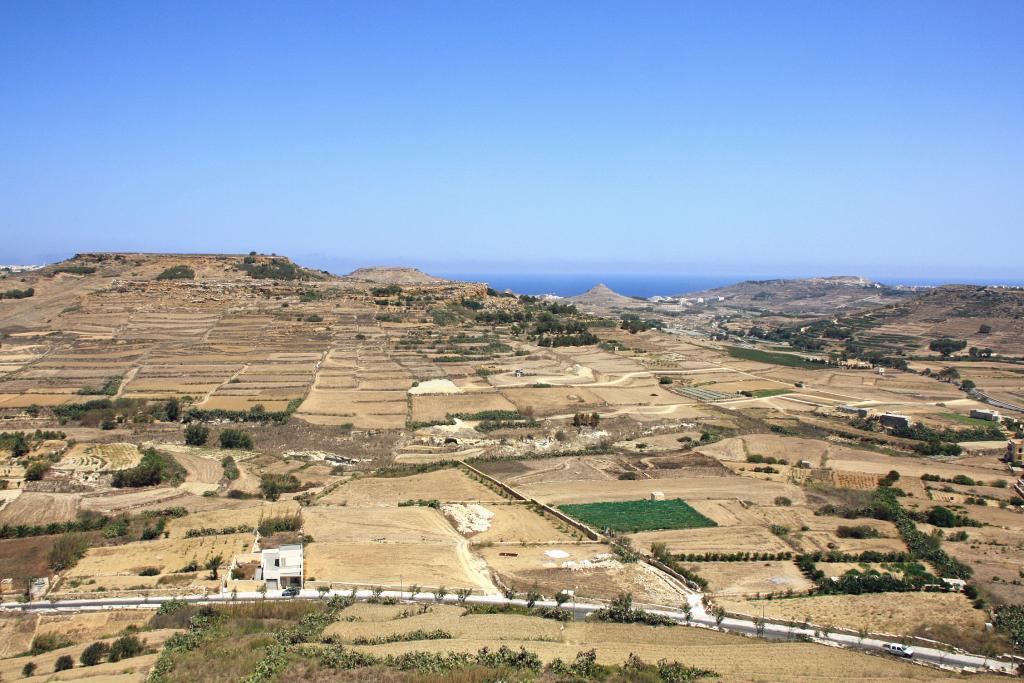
[
  {"x": 991, "y": 317},
  {"x": 393, "y": 275},
  {"x": 804, "y": 296},
  {"x": 602, "y": 299}
]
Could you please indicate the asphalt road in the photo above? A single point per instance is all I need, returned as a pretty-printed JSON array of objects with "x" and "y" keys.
[{"x": 698, "y": 617}]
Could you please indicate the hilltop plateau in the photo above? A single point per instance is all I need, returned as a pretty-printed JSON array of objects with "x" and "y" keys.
[
  {"x": 393, "y": 275},
  {"x": 805, "y": 296}
]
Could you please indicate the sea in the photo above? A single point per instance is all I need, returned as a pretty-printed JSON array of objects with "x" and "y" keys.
[{"x": 648, "y": 285}]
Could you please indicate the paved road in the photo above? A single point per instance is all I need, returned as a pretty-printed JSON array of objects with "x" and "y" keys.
[{"x": 699, "y": 617}]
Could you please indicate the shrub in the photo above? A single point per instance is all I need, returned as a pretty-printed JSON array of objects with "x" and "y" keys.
[
  {"x": 67, "y": 550},
  {"x": 36, "y": 470},
  {"x": 29, "y": 669},
  {"x": 181, "y": 272},
  {"x": 18, "y": 293},
  {"x": 621, "y": 611},
  {"x": 782, "y": 501},
  {"x": 125, "y": 647},
  {"x": 153, "y": 469},
  {"x": 230, "y": 467},
  {"x": 860, "y": 531},
  {"x": 235, "y": 438},
  {"x": 273, "y": 485},
  {"x": 278, "y": 523},
  {"x": 63, "y": 663},
  {"x": 94, "y": 654},
  {"x": 196, "y": 434},
  {"x": 46, "y": 642}
]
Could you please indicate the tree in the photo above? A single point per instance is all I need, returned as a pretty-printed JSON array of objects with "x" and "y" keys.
[
  {"x": 321, "y": 591},
  {"x": 985, "y": 329},
  {"x": 196, "y": 434},
  {"x": 942, "y": 516},
  {"x": 172, "y": 410},
  {"x": 94, "y": 654},
  {"x": 19, "y": 446},
  {"x": 213, "y": 564},
  {"x": 126, "y": 647},
  {"x": 532, "y": 596},
  {"x": 36, "y": 470},
  {"x": 968, "y": 385},
  {"x": 947, "y": 346},
  {"x": 262, "y": 590}
]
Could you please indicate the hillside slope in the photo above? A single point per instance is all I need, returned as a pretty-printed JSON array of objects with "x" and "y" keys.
[{"x": 811, "y": 296}]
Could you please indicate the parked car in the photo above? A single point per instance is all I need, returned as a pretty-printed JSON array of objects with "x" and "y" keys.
[
  {"x": 290, "y": 592},
  {"x": 899, "y": 650}
]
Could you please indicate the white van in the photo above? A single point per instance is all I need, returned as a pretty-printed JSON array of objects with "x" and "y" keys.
[{"x": 899, "y": 650}]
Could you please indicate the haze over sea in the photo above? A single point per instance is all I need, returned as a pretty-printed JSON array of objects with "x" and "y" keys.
[{"x": 648, "y": 285}]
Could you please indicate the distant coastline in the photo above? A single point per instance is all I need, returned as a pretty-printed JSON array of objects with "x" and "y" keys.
[{"x": 640, "y": 285}]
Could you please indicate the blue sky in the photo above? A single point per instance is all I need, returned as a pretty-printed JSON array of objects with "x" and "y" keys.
[{"x": 787, "y": 138}]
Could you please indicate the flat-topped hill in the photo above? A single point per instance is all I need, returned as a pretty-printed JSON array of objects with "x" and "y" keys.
[
  {"x": 393, "y": 275},
  {"x": 816, "y": 295}
]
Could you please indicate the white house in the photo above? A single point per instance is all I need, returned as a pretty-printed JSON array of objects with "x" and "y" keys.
[{"x": 281, "y": 567}]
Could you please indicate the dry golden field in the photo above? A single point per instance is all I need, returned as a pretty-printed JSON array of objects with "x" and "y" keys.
[
  {"x": 447, "y": 485},
  {"x": 878, "y": 613},
  {"x": 734, "y": 658}
]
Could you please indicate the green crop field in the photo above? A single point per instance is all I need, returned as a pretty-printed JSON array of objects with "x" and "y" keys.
[
  {"x": 974, "y": 422},
  {"x": 766, "y": 393},
  {"x": 773, "y": 357},
  {"x": 638, "y": 515}
]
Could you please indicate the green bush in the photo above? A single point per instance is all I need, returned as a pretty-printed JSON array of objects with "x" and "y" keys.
[
  {"x": 47, "y": 642},
  {"x": 273, "y": 485},
  {"x": 36, "y": 470},
  {"x": 235, "y": 438},
  {"x": 94, "y": 654},
  {"x": 17, "y": 293},
  {"x": 230, "y": 467},
  {"x": 126, "y": 647},
  {"x": 154, "y": 468},
  {"x": 196, "y": 434},
  {"x": 63, "y": 663},
  {"x": 621, "y": 611},
  {"x": 181, "y": 272}
]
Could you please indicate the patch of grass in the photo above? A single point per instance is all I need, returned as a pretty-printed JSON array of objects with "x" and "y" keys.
[
  {"x": 639, "y": 515},
  {"x": 774, "y": 358},
  {"x": 765, "y": 393},
  {"x": 974, "y": 422}
]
